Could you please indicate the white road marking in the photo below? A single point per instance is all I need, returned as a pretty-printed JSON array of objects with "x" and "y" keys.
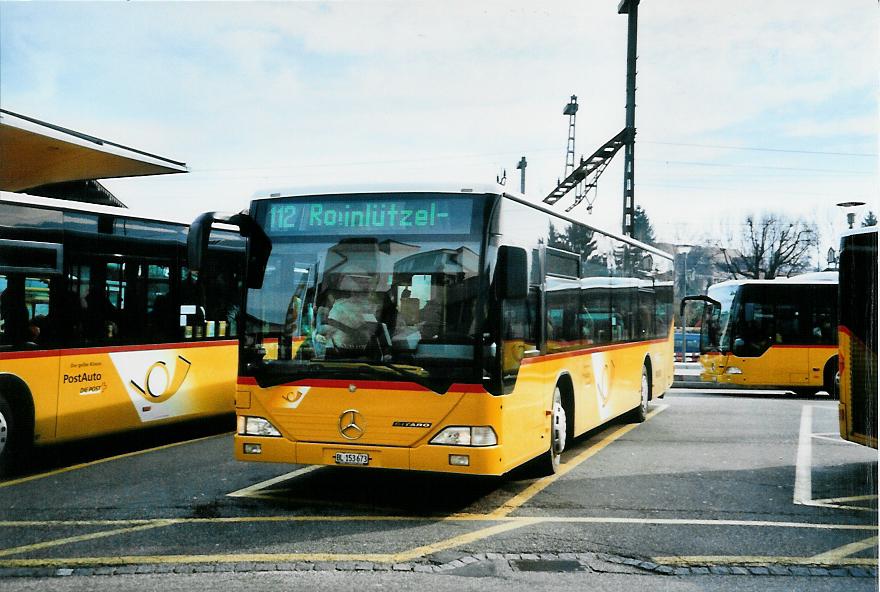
[
  {"x": 803, "y": 481},
  {"x": 253, "y": 490}
]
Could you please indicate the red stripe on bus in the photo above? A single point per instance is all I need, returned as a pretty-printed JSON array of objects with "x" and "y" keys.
[
  {"x": 49, "y": 353},
  {"x": 590, "y": 350},
  {"x": 366, "y": 384}
]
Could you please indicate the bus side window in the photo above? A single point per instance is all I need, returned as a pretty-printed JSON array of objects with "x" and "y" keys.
[{"x": 25, "y": 307}]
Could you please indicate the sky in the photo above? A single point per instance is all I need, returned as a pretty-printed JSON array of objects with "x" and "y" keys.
[{"x": 742, "y": 107}]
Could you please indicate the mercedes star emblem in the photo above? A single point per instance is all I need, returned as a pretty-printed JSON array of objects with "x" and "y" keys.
[{"x": 352, "y": 424}]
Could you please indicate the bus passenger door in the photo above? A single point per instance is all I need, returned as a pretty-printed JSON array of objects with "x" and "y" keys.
[{"x": 30, "y": 320}]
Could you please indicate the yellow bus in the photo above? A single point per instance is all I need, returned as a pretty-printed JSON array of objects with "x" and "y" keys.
[
  {"x": 777, "y": 333},
  {"x": 459, "y": 329},
  {"x": 103, "y": 328},
  {"x": 857, "y": 334}
]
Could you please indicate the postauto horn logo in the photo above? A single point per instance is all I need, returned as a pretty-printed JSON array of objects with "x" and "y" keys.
[{"x": 160, "y": 384}]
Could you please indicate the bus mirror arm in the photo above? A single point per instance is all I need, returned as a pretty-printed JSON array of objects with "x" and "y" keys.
[
  {"x": 258, "y": 246},
  {"x": 706, "y": 299}
]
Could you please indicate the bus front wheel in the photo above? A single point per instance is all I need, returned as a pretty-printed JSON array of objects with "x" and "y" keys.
[{"x": 7, "y": 433}]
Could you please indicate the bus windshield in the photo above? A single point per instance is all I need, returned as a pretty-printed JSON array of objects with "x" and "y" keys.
[{"x": 381, "y": 300}]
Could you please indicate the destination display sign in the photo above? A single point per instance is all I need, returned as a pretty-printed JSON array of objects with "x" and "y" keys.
[{"x": 376, "y": 214}]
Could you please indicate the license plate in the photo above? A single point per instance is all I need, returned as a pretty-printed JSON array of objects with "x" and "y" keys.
[{"x": 351, "y": 458}]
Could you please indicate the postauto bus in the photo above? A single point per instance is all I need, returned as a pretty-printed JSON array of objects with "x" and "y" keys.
[
  {"x": 779, "y": 333},
  {"x": 104, "y": 328},
  {"x": 858, "y": 336},
  {"x": 455, "y": 329}
]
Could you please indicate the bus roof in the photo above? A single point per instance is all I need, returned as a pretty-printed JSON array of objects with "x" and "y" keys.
[
  {"x": 37, "y": 153},
  {"x": 815, "y": 277},
  {"x": 447, "y": 187},
  {"x": 855, "y": 231},
  {"x": 24, "y": 199}
]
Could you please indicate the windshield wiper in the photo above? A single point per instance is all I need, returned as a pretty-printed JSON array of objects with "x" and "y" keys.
[{"x": 416, "y": 373}]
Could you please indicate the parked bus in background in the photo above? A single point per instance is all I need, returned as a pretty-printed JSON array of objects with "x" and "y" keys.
[
  {"x": 858, "y": 336},
  {"x": 103, "y": 328},
  {"x": 777, "y": 333},
  {"x": 461, "y": 330}
]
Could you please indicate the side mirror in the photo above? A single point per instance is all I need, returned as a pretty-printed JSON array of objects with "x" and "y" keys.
[
  {"x": 708, "y": 317},
  {"x": 258, "y": 244},
  {"x": 511, "y": 273}
]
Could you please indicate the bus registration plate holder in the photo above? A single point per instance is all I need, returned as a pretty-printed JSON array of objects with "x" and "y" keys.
[{"x": 351, "y": 458}]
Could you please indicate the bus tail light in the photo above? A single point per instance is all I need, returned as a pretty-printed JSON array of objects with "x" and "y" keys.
[
  {"x": 256, "y": 426},
  {"x": 466, "y": 436}
]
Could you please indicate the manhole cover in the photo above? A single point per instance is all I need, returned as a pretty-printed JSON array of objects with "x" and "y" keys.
[{"x": 550, "y": 565}]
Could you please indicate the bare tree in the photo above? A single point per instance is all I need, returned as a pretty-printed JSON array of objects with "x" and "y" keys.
[{"x": 769, "y": 246}]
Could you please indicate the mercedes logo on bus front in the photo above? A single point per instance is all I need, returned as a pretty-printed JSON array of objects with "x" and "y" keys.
[{"x": 352, "y": 424}]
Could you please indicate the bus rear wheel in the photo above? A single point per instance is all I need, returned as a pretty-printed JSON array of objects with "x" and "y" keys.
[
  {"x": 640, "y": 413},
  {"x": 831, "y": 378},
  {"x": 551, "y": 460}
]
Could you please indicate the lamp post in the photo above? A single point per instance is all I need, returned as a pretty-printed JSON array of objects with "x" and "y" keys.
[
  {"x": 849, "y": 207},
  {"x": 684, "y": 250}
]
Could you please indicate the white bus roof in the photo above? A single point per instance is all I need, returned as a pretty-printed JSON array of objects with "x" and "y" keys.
[
  {"x": 816, "y": 277},
  {"x": 445, "y": 187},
  {"x": 24, "y": 199},
  {"x": 36, "y": 153},
  {"x": 854, "y": 231}
]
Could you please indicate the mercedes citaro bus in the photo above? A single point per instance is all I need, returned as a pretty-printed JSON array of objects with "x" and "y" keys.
[
  {"x": 453, "y": 329},
  {"x": 104, "y": 328},
  {"x": 779, "y": 333}
]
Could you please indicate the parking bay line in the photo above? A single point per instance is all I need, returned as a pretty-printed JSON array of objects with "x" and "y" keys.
[
  {"x": 83, "y": 537},
  {"x": 535, "y": 488},
  {"x": 252, "y": 490},
  {"x": 803, "y": 482},
  {"x": 104, "y": 460},
  {"x": 507, "y": 524}
]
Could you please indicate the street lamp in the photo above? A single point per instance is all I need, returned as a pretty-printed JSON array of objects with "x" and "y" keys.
[
  {"x": 684, "y": 250},
  {"x": 849, "y": 207}
]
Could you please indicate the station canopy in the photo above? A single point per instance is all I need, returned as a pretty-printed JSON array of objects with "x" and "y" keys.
[{"x": 41, "y": 158}]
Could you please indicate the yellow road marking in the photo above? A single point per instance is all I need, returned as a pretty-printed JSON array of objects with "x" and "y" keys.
[
  {"x": 450, "y": 518},
  {"x": 756, "y": 560},
  {"x": 846, "y": 550},
  {"x": 82, "y": 537},
  {"x": 594, "y": 446},
  {"x": 507, "y": 524},
  {"x": 463, "y": 539},
  {"x": 104, "y": 460},
  {"x": 252, "y": 490}
]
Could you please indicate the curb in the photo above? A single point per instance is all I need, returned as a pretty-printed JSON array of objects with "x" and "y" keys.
[{"x": 588, "y": 561}]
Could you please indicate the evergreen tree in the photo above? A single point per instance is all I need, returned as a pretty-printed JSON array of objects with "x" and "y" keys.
[{"x": 642, "y": 228}]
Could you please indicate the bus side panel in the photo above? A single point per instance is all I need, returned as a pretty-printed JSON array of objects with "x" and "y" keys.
[
  {"x": 777, "y": 366},
  {"x": 858, "y": 392},
  {"x": 39, "y": 372},
  {"x": 124, "y": 388},
  {"x": 819, "y": 356}
]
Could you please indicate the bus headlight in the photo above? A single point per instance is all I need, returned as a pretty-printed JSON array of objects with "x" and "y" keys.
[
  {"x": 256, "y": 426},
  {"x": 734, "y": 370},
  {"x": 466, "y": 436}
]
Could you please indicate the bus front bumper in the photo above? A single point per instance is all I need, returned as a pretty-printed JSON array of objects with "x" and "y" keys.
[{"x": 448, "y": 459}]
